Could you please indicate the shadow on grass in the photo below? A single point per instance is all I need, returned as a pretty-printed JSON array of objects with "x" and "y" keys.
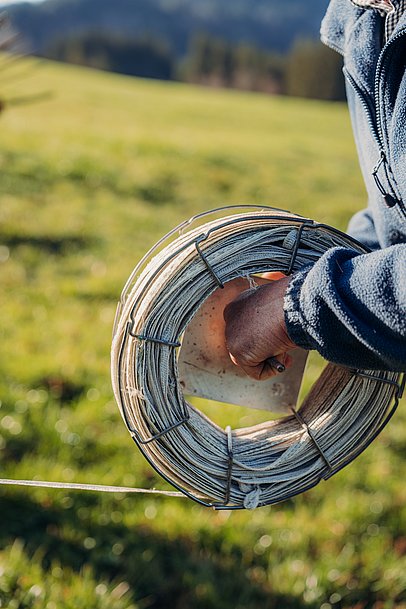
[{"x": 163, "y": 571}]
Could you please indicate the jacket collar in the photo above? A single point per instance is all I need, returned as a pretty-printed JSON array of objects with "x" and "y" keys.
[{"x": 357, "y": 34}]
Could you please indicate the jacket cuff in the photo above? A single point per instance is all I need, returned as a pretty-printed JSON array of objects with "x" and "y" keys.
[{"x": 293, "y": 316}]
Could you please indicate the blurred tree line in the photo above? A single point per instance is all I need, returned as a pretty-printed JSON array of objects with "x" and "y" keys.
[
  {"x": 309, "y": 69},
  {"x": 147, "y": 58}
]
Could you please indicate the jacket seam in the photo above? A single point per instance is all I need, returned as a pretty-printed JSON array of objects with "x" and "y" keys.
[
  {"x": 359, "y": 85},
  {"x": 331, "y": 45}
]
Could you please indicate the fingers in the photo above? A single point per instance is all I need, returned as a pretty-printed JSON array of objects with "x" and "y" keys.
[
  {"x": 273, "y": 275},
  {"x": 265, "y": 370},
  {"x": 255, "y": 330},
  {"x": 260, "y": 372}
]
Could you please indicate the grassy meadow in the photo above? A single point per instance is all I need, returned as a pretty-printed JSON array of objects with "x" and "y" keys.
[{"x": 91, "y": 177}]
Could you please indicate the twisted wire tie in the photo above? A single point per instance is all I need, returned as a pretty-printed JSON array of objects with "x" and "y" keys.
[
  {"x": 229, "y": 447},
  {"x": 312, "y": 437},
  {"x": 134, "y": 433},
  {"x": 206, "y": 262},
  {"x": 137, "y": 438},
  {"x": 154, "y": 339},
  {"x": 295, "y": 249},
  {"x": 230, "y": 463}
]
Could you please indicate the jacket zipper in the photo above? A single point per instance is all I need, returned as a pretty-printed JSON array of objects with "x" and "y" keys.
[
  {"x": 378, "y": 73},
  {"x": 375, "y": 122},
  {"x": 371, "y": 112},
  {"x": 390, "y": 201},
  {"x": 369, "y": 109}
]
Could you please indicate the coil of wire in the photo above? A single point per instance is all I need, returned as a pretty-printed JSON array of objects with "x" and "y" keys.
[{"x": 248, "y": 467}]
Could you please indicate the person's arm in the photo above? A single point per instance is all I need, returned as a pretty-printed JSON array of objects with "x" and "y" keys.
[
  {"x": 350, "y": 307},
  {"x": 362, "y": 228}
]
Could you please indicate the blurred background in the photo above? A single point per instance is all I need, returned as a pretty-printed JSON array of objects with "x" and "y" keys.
[
  {"x": 119, "y": 120},
  {"x": 270, "y": 47}
]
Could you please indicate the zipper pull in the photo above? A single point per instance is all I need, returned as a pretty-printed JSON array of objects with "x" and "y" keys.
[{"x": 390, "y": 200}]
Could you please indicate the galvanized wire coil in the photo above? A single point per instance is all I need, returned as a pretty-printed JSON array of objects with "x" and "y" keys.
[{"x": 249, "y": 467}]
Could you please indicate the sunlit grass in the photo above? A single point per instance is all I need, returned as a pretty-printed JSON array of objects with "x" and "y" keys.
[{"x": 91, "y": 178}]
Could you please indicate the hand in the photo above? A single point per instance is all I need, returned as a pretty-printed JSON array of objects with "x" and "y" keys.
[{"x": 256, "y": 329}]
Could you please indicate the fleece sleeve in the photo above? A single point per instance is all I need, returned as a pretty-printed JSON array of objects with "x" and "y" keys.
[
  {"x": 351, "y": 308},
  {"x": 362, "y": 228}
]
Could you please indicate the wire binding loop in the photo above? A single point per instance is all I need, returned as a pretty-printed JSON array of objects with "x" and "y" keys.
[
  {"x": 312, "y": 437},
  {"x": 138, "y": 440},
  {"x": 295, "y": 249},
  {"x": 230, "y": 462},
  {"x": 229, "y": 433},
  {"x": 206, "y": 262},
  {"x": 152, "y": 339},
  {"x": 399, "y": 386}
]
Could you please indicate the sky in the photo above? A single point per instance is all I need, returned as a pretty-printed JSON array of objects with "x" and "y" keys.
[{"x": 3, "y": 2}]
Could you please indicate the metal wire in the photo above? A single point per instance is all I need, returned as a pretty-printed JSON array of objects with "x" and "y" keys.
[
  {"x": 260, "y": 465},
  {"x": 77, "y": 486}
]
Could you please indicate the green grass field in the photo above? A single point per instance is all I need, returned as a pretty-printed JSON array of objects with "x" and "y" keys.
[{"x": 91, "y": 177}]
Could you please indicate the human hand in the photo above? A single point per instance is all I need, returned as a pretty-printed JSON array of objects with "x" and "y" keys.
[{"x": 256, "y": 329}]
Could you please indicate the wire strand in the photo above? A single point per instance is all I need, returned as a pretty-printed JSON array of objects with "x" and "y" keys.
[{"x": 100, "y": 488}]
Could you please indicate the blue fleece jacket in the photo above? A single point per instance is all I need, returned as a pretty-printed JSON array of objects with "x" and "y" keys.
[{"x": 351, "y": 307}]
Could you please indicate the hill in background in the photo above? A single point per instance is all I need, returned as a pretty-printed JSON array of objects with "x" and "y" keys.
[{"x": 268, "y": 24}]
